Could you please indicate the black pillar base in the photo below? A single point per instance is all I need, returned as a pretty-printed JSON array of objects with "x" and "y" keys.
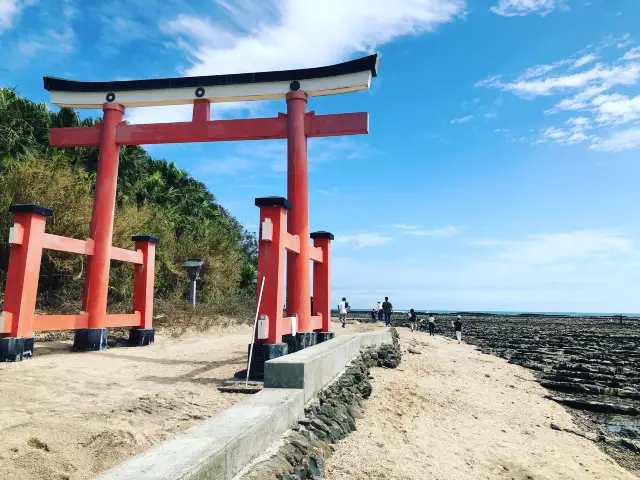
[
  {"x": 90, "y": 339},
  {"x": 261, "y": 353},
  {"x": 324, "y": 336},
  {"x": 141, "y": 337},
  {"x": 16, "y": 349},
  {"x": 300, "y": 341}
]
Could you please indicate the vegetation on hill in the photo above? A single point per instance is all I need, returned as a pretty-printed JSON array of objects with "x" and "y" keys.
[{"x": 153, "y": 197}]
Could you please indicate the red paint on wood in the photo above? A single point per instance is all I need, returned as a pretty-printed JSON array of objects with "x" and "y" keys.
[
  {"x": 316, "y": 322},
  {"x": 124, "y": 255},
  {"x": 192, "y": 132},
  {"x": 75, "y": 137},
  {"x": 271, "y": 258},
  {"x": 143, "y": 280},
  {"x": 201, "y": 110},
  {"x": 291, "y": 243},
  {"x": 315, "y": 254},
  {"x": 322, "y": 283},
  {"x": 104, "y": 204},
  {"x": 123, "y": 320},
  {"x": 6, "y": 320},
  {"x": 213, "y": 131},
  {"x": 65, "y": 244},
  {"x": 43, "y": 323},
  {"x": 339, "y": 124},
  {"x": 23, "y": 275},
  {"x": 298, "y": 280}
]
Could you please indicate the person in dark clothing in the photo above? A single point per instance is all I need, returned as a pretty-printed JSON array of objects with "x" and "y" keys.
[
  {"x": 373, "y": 315},
  {"x": 457, "y": 326},
  {"x": 412, "y": 320},
  {"x": 432, "y": 326},
  {"x": 387, "y": 308}
]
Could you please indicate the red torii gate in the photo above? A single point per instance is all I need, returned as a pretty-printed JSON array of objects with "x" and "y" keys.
[{"x": 18, "y": 320}]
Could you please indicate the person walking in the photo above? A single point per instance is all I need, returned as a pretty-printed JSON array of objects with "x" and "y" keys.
[
  {"x": 458, "y": 328},
  {"x": 343, "y": 308},
  {"x": 432, "y": 326},
  {"x": 412, "y": 320},
  {"x": 379, "y": 309},
  {"x": 373, "y": 315},
  {"x": 387, "y": 308}
]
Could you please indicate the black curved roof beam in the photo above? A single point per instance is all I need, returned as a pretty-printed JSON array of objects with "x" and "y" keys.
[{"x": 329, "y": 80}]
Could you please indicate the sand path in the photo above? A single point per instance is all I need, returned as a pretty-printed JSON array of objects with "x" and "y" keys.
[
  {"x": 452, "y": 413},
  {"x": 73, "y": 415}
]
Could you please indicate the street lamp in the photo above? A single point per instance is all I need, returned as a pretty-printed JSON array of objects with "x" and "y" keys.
[{"x": 193, "y": 267}]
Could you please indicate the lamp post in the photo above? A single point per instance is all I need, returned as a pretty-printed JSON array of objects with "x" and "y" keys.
[{"x": 193, "y": 267}]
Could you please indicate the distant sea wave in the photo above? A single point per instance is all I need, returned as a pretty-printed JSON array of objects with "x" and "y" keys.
[{"x": 497, "y": 312}]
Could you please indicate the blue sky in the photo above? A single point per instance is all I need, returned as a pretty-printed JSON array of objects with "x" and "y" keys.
[{"x": 501, "y": 168}]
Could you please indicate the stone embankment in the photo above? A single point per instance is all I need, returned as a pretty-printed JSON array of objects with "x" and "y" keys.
[{"x": 329, "y": 417}]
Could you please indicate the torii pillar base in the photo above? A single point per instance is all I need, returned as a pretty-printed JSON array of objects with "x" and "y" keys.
[
  {"x": 141, "y": 337},
  {"x": 324, "y": 336},
  {"x": 16, "y": 349},
  {"x": 300, "y": 340},
  {"x": 262, "y": 352},
  {"x": 90, "y": 339}
]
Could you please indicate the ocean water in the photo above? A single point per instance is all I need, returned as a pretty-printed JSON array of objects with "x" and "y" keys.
[{"x": 499, "y": 312}]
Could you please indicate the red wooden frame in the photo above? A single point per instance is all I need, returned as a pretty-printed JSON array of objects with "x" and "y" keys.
[{"x": 18, "y": 317}]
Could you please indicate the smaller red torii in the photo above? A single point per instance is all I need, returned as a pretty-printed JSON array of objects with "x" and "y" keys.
[{"x": 289, "y": 217}]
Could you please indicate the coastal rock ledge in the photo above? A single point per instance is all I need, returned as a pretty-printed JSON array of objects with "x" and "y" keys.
[{"x": 329, "y": 417}]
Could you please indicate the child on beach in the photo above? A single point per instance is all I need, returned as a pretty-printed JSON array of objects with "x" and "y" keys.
[{"x": 458, "y": 328}]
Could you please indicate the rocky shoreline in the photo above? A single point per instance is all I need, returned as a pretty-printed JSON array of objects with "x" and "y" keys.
[{"x": 589, "y": 364}]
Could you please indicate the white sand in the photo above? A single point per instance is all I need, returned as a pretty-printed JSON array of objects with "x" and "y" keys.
[
  {"x": 93, "y": 410},
  {"x": 452, "y": 413}
]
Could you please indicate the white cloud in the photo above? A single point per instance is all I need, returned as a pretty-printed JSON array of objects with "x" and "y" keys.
[
  {"x": 404, "y": 226},
  {"x": 632, "y": 54},
  {"x": 553, "y": 133},
  {"x": 45, "y": 41},
  {"x": 512, "y": 8},
  {"x": 618, "y": 141},
  {"x": 500, "y": 130},
  {"x": 9, "y": 13},
  {"x": 447, "y": 231},
  {"x": 605, "y": 76},
  {"x": 617, "y": 109},
  {"x": 582, "y": 61},
  {"x": 578, "y": 121},
  {"x": 490, "y": 115},
  {"x": 462, "y": 119},
  {"x": 270, "y": 36},
  {"x": 361, "y": 240},
  {"x": 595, "y": 92}
]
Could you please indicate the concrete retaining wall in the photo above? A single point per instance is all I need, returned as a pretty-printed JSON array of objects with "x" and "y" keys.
[
  {"x": 314, "y": 368},
  {"x": 218, "y": 448}
]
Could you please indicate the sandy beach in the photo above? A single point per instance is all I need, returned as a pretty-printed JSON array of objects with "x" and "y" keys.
[
  {"x": 448, "y": 413},
  {"x": 453, "y": 413},
  {"x": 71, "y": 416}
]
